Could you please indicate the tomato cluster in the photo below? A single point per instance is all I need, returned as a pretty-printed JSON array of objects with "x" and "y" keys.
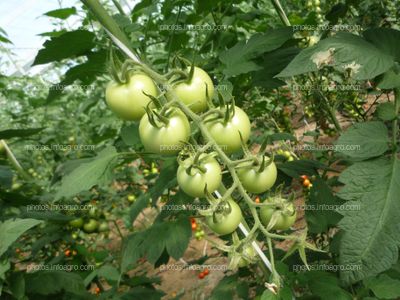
[
  {"x": 92, "y": 222},
  {"x": 165, "y": 129}
]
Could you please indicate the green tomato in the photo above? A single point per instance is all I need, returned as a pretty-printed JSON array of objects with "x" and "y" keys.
[
  {"x": 284, "y": 220},
  {"x": 90, "y": 226},
  {"x": 194, "y": 184},
  {"x": 226, "y": 223},
  {"x": 193, "y": 93},
  {"x": 76, "y": 223},
  {"x": 168, "y": 138},
  {"x": 103, "y": 227},
  {"x": 127, "y": 100},
  {"x": 131, "y": 198},
  {"x": 248, "y": 252},
  {"x": 255, "y": 181},
  {"x": 227, "y": 134}
]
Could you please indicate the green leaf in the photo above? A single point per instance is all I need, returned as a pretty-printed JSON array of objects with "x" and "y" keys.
[
  {"x": 390, "y": 79},
  {"x": 109, "y": 272},
  {"x": 10, "y": 133},
  {"x": 166, "y": 179},
  {"x": 11, "y": 230},
  {"x": 383, "y": 286},
  {"x": 62, "y": 13},
  {"x": 130, "y": 134},
  {"x": 17, "y": 285},
  {"x": 364, "y": 140},
  {"x": 51, "y": 282},
  {"x": 297, "y": 168},
  {"x": 386, "y": 111},
  {"x": 273, "y": 63},
  {"x": 179, "y": 237},
  {"x": 174, "y": 236},
  {"x": 238, "y": 58},
  {"x": 6, "y": 176},
  {"x": 4, "y": 267},
  {"x": 225, "y": 288},
  {"x": 268, "y": 295},
  {"x": 341, "y": 51},
  {"x": 58, "y": 48},
  {"x": 87, "y": 175},
  {"x": 143, "y": 292},
  {"x": 326, "y": 286},
  {"x": 86, "y": 73},
  {"x": 385, "y": 39},
  {"x": 321, "y": 208},
  {"x": 372, "y": 233}
]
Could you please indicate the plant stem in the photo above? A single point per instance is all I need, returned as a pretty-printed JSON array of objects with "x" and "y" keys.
[
  {"x": 278, "y": 7},
  {"x": 395, "y": 121},
  {"x": 107, "y": 21},
  {"x": 14, "y": 161}
]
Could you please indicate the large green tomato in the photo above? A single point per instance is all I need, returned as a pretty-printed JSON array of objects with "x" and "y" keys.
[
  {"x": 166, "y": 138},
  {"x": 193, "y": 93},
  {"x": 90, "y": 226},
  {"x": 255, "y": 181},
  {"x": 226, "y": 223},
  {"x": 227, "y": 134},
  {"x": 194, "y": 184},
  {"x": 284, "y": 220},
  {"x": 127, "y": 100}
]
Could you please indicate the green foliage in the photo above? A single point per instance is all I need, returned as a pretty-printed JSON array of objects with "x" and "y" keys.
[
  {"x": 11, "y": 230},
  {"x": 372, "y": 186},
  {"x": 364, "y": 140},
  {"x": 56, "y": 50},
  {"x": 342, "y": 51},
  {"x": 89, "y": 174}
]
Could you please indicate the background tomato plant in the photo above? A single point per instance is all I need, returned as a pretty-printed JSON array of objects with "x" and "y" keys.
[{"x": 305, "y": 85}]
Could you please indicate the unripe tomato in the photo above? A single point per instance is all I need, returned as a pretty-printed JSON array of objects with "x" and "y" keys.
[
  {"x": 127, "y": 100},
  {"x": 194, "y": 184},
  {"x": 90, "y": 226},
  {"x": 193, "y": 93},
  {"x": 227, "y": 134},
  {"x": 168, "y": 138},
  {"x": 131, "y": 198},
  {"x": 226, "y": 223},
  {"x": 284, "y": 220},
  {"x": 255, "y": 181},
  {"x": 103, "y": 227},
  {"x": 76, "y": 223},
  {"x": 248, "y": 252}
]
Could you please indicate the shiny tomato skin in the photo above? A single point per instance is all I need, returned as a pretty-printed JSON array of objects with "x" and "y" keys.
[
  {"x": 169, "y": 138},
  {"x": 227, "y": 223},
  {"x": 257, "y": 182},
  {"x": 194, "y": 184},
  {"x": 193, "y": 93},
  {"x": 227, "y": 135},
  {"x": 284, "y": 221},
  {"x": 127, "y": 100}
]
